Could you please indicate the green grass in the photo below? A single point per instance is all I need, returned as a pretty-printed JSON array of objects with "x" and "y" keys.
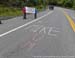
[{"x": 7, "y": 11}]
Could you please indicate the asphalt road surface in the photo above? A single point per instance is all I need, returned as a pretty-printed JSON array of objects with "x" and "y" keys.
[{"x": 51, "y": 35}]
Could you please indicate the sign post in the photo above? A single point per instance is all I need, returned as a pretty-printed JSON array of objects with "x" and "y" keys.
[
  {"x": 35, "y": 15},
  {"x": 24, "y": 13}
]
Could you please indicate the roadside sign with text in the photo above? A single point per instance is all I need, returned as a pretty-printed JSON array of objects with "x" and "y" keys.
[{"x": 30, "y": 10}]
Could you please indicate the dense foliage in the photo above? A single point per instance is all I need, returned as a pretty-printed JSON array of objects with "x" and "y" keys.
[
  {"x": 20, "y": 3},
  {"x": 13, "y": 7}
]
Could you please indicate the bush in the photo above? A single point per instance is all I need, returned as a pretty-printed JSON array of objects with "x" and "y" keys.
[{"x": 7, "y": 11}]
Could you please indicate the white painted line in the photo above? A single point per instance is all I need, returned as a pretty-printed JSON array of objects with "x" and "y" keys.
[
  {"x": 39, "y": 22},
  {"x": 31, "y": 27},
  {"x": 25, "y": 24},
  {"x": 43, "y": 30},
  {"x": 55, "y": 31},
  {"x": 50, "y": 30},
  {"x": 35, "y": 30},
  {"x": 39, "y": 38}
]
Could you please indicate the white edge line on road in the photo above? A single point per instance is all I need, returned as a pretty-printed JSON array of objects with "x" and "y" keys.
[{"x": 25, "y": 24}]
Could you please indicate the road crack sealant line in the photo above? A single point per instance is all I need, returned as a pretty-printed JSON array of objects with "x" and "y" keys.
[
  {"x": 70, "y": 21},
  {"x": 25, "y": 24}
]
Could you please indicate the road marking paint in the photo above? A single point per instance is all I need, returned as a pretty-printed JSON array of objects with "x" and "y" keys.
[
  {"x": 30, "y": 27},
  {"x": 43, "y": 30},
  {"x": 56, "y": 28},
  {"x": 36, "y": 29},
  {"x": 35, "y": 37},
  {"x": 50, "y": 30},
  {"x": 25, "y": 44},
  {"x": 39, "y": 22},
  {"x": 25, "y": 24},
  {"x": 70, "y": 21},
  {"x": 39, "y": 38},
  {"x": 53, "y": 30},
  {"x": 31, "y": 46}
]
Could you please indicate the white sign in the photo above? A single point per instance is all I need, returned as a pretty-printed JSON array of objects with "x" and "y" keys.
[{"x": 30, "y": 10}]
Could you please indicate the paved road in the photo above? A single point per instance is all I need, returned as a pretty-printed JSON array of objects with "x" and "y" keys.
[
  {"x": 18, "y": 21},
  {"x": 48, "y": 36}
]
